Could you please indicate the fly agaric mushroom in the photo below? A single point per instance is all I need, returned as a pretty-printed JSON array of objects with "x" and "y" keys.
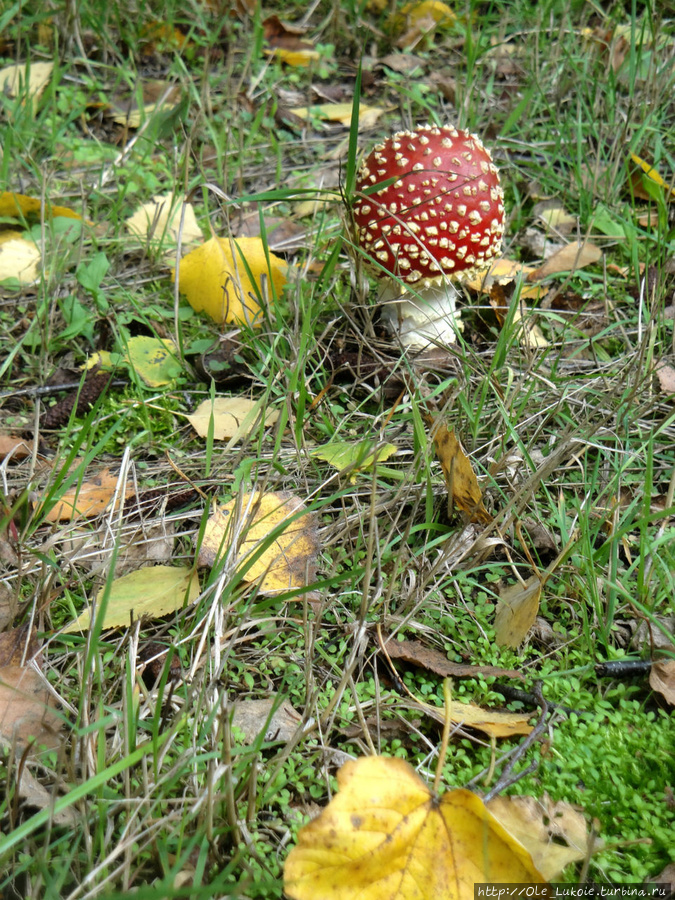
[{"x": 429, "y": 207}]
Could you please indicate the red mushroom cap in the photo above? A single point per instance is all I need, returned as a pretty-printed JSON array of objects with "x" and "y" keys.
[{"x": 442, "y": 213}]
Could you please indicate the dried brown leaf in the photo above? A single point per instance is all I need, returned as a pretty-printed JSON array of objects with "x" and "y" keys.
[
  {"x": 662, "y": 679},
  {"x": 27, "y": 713},
  {"x": 16, "y": 446},
  {"x": 251, "y": 716},
  {"x": 555, "y": 834},
  {"x": 572, "y": 257},
  {"x": 417, "y": 654},
  {"x": 666, "y": 375}
]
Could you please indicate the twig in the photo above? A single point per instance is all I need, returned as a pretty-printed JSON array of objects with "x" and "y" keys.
[
  {"x": 47, "y": 389},
  {"x": 506, "y": 778}
]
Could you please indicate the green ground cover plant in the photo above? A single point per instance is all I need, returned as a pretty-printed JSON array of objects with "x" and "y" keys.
[{"x": 162, "y": 778}]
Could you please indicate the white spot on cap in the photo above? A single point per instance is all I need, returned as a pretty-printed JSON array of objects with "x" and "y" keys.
[{"x": 475, "y": 217}]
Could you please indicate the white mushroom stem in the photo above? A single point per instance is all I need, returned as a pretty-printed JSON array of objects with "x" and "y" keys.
[{"x": 421, "y": 317}]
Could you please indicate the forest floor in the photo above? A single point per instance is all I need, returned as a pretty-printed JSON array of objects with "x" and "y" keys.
[{"x": 174, "y": 741}]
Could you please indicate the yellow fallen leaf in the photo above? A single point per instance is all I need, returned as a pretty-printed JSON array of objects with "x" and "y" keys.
[
  {"x": 272, "y": 538},
  {"x": 153, "y": 591},
  {"x": 89, "y": 499},
  {"x": 215, "y": 280},
  {"x": 386, "y": 836},
  {"x": 103, "y": 360},
  {"x": 21, "y": 206},
  {"x": 28, "y": 79},
  {"x": 653, "y": 175},
  {"x": 433, "y": 9},
  {"x": 555, "y": 834},
  {"x": 418, "y": 19},
  {"x": 295, "y": 58},
  {"x": 503, "y": 271},
  {"x": 463, "y": 489},
  {"x": 284, "y": 41},
  {"x": 19, "y": 260},
  {"x": 517, "y": 609},
  {"x": 494, "y": 722},
  {"x": 531, "y": 334},
  {"x": 161, "y": 217},
  {"x": 557, "y": 218},
  {"x": 154, "y": 359},
  {"x": 341, "y": 112},
  {"x": 233, "y": 417}
]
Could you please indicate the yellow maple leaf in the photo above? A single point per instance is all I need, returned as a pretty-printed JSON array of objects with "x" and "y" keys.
[
  {"x": 273, "y": 541},
  {"x": 215, "y": 280},
  {"x": 386, "y": 836}
]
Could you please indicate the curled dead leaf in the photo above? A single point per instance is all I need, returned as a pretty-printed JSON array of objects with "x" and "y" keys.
[
  {"x": 463, "y": 489},
  {"x": 555, "y": 834},
  {"x": 662, "y": 679}
]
